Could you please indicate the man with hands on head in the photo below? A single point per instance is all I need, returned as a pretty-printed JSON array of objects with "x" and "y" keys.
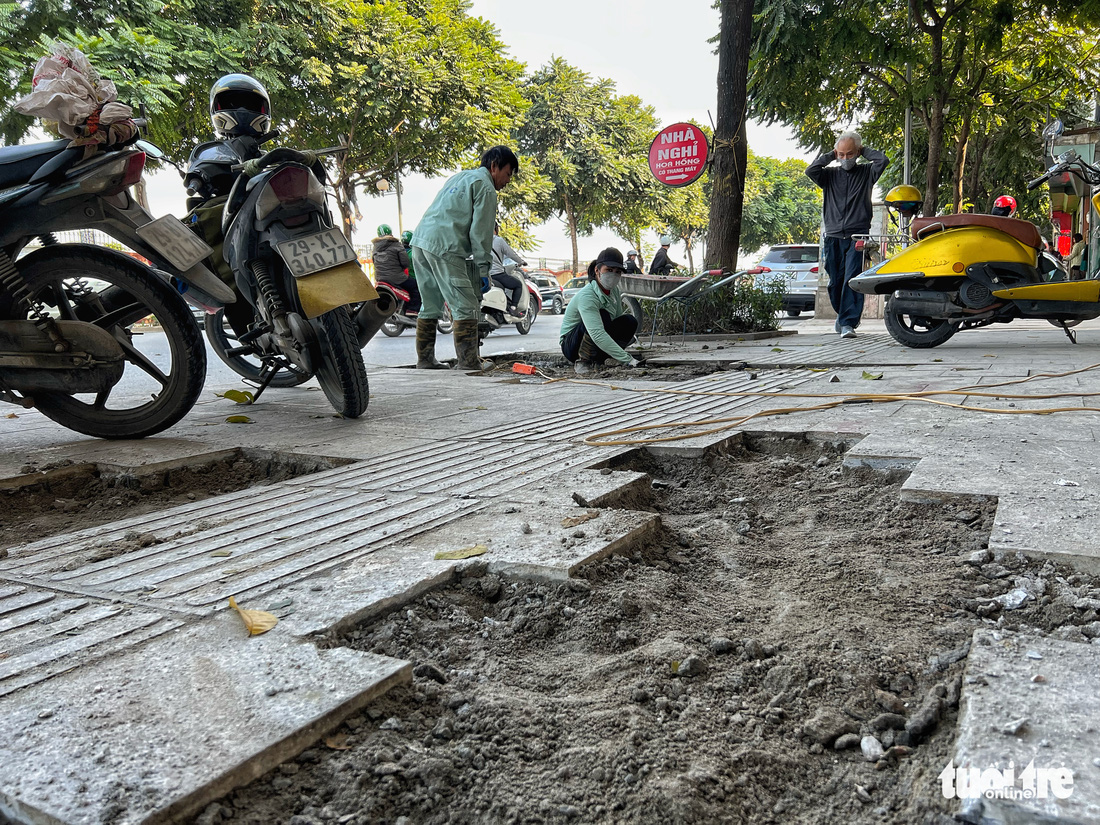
[{"x": 847, "y": 176}]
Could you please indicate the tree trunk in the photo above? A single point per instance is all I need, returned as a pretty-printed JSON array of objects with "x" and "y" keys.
[
  {"x": 935, "y": 152},
  {"x": 691, "y": 262},
  {"x": 571, "y": 220},
  {"x": 960, "y": 163},
  {"x": 974, "y": 177},
  {"x": 730, "y": 148}
]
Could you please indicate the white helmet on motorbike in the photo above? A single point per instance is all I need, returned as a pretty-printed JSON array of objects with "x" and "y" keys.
[
  {"x": 666, "y": 240},
  {"x": 239, "y": 105}
]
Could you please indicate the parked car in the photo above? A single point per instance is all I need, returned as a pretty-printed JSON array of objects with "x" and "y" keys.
[
  {"x": 798, "y": 266},
  {"x": 553, "y": 296},
  {"x": 573, "y": 286}
]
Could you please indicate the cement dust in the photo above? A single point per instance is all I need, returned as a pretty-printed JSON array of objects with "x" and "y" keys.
[{"x": 794, "y": 600}]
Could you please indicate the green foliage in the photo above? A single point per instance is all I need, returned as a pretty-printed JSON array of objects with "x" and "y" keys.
[
  {"x": 589, "y": 144},
  {"x": 741, "y": 307},
  {"x": 782, "y": 205},
  {"x": 985, "y": 76}
]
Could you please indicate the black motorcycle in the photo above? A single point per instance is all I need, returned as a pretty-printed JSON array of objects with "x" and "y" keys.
[
  {"x": 297, "y": 271},
  {"x": 96, "y": 339}
]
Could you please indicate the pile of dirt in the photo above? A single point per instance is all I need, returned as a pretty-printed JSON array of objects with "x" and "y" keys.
[
  {"x": 732, "y": 670},
  {"x": 56, "y": 498}
]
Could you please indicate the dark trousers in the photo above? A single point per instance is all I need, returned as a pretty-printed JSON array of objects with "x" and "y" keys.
[
  {"x": 414, "y": 295},
  {"x": 620, "y": 329},
  {"x": 510, "y": 283},
  {"x": 843, "y": 262}
]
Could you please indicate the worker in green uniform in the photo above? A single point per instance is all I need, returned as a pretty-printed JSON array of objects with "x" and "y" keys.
[
  {"x": 595, "y": 328},
  {"x": 457, "y": 226}
]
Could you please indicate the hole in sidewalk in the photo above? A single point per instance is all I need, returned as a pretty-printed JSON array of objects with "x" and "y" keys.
[
  {"x": 704, "y": 677},
  {"x": 58, "y": 498}
]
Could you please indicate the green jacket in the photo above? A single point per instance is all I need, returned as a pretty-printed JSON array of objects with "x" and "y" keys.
[
  {"x": 460, "y": 220},
  {"x": 585, "y": 308}
]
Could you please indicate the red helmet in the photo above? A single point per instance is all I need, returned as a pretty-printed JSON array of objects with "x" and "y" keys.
[{"x": 1004, "y": 206}]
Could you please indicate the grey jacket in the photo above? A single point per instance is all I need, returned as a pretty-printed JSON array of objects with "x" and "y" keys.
[{"x": 847, "y": 194}]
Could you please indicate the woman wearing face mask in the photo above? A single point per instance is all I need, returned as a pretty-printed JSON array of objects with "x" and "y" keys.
[
  {"x": 595, "y": 327},
  {"x": 847, "y": 176}
]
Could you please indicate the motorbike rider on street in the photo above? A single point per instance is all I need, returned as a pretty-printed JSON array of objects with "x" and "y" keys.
[
  {"x": 413, "y": 307},
  {"x": 633, "y": 264},
  {"x": 391, "y": 264},
  {"x": 509, "y": 283},
  {"x": 661, "y": 265}
]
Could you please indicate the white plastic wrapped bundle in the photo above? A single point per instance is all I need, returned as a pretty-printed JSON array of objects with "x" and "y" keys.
[{"x": 66, "y": 89}]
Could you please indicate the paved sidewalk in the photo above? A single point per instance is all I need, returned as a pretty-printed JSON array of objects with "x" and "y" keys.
[{"x": 128, "y": 688}]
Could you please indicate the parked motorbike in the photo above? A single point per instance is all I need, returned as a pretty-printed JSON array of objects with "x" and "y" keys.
[
  {"x": 297, "y": 271},
  {"x": 400, "y": 320},
  {"x": 80, "y": 323},
  {"x": 969, "y": 271},
  {"x": 494, "y": 304}
]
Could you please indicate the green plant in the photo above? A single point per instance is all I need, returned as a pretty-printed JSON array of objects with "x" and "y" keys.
[{"x": 740, "y": 307}]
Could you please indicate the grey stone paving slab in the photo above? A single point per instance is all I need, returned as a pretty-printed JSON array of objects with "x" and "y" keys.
[
  {"x": 1052, "y": 686},
  {"x": 157, "y": 732}
]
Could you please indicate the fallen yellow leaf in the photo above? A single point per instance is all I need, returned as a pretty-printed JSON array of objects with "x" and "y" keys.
[
  {"x": 462, "y": 553},
  {"x": 257, "y": 621},
  {"x": 573, "y": 521},
  {"x": 872, "y": 376},
  {"x": 238, "y": 419},
  {"x": 240, "y": 396}
]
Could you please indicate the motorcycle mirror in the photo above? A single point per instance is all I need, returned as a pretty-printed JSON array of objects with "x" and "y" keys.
[
  {"x": 1053, "y": 129},
  {"x": 151, "y": 150}
]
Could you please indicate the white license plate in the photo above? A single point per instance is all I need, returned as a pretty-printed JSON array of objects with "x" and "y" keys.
[
  {"x": 182, "y": 247},
  {"x": 312, "y": 253}
]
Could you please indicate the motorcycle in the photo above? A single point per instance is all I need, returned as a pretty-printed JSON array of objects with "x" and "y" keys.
[
  {"x": 494, "y": 304},
  {"x": 970, "y": 271},
  {"x": 297, "y": 271},
  {"x": 400, "y": 320},
  {"x": 80, "y": 324}
]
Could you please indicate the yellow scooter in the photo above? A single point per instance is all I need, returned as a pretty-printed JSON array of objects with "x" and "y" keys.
[{"x": 969, "y": 271}]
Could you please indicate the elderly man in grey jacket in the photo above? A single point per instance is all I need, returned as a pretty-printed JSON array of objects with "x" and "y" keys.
[{"x": 847, "y": 176}]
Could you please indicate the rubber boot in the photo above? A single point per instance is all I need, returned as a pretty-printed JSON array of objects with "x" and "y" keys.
[
  {"x": 425, "y": 346},
  {"x": 466, "y": 346}
]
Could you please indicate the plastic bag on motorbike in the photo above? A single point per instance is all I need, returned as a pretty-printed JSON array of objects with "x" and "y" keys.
[
  {"x": 205, "y": 221},
  {"x": 66, "y": 89}
]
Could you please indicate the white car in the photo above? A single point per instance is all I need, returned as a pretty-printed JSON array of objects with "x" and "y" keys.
[{"x": 799, "y": 267}]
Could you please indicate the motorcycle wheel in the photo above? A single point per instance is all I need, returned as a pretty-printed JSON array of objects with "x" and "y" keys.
[
  {"x": 916, "y": 332},
  {"x": 341, "y": 371},
  {"x": 222, "y": 338},
  {"x": 524, "y": 326},
  {"x": 392, "y": 328},
  {"x": 446, "y": 324},
  {"x": 161, "y": 381}
]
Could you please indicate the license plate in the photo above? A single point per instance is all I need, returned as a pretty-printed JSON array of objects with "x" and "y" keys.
[
  {"x": 178, "y": 244},
  {"x": 312, "y": 253}
]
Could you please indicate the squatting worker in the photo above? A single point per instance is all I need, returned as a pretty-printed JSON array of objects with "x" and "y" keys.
[
  {"x": 458, "y": 225},
  {"x": 595, "y": 327},
  {"x": 846, "y": 186}
]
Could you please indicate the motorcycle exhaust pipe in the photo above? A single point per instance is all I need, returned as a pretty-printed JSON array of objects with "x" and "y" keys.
[
  {"x": 924, "y": 303},
  {"x": 371, "y": 316}
]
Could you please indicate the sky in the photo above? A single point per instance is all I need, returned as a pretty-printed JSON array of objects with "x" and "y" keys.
[{"x": 650, "y": 48}]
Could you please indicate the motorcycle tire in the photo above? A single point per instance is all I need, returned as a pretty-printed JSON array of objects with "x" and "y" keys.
[
  {"x": 341, "y": 371},
  {"x": 392, "y": 328},
  {"x": 84, "y": 283},
  {"x": 524, "y": 326},
  {"x": 445, "y": 325},
  {"x": 222, "y": 338},
  {"x": 917, "y": 333}
]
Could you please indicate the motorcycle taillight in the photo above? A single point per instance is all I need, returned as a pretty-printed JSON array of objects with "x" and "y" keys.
[
  {"x": 129, "y": 173},
  {"x": 291, "y": 183}
]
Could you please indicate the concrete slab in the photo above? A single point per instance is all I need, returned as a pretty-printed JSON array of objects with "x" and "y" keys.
[
  {"x": 1031, "y": 701},
  {"x": 158, "y": 732}
]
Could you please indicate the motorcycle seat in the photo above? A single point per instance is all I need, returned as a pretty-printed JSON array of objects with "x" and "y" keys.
[
  {"x": 1023, "y": 231},
  {"x": 19, "y": 163}
]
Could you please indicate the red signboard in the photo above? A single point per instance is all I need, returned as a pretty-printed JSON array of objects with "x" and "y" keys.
[{"x": 678, "y": 155}]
